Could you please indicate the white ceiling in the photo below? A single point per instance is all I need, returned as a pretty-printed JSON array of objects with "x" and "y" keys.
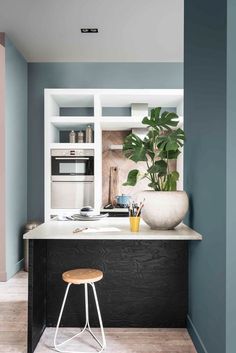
[{"x": 129, "y": 30}]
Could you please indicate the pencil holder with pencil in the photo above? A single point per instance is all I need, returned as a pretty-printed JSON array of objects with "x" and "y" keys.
[
  {"x": 134, "y": 224},
  {"x": 134, "y": 216}
]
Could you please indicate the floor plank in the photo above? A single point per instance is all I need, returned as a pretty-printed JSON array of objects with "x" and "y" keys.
[{"x": 13, "y": 318}]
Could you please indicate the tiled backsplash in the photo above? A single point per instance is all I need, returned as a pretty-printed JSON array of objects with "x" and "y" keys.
[{"x": 116, "y": 158}]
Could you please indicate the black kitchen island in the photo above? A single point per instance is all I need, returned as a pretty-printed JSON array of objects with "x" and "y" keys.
[{"x": 145, "y": 280}]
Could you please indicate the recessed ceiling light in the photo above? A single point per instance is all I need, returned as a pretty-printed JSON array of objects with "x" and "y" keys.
[{"x": 89, "y": 30}]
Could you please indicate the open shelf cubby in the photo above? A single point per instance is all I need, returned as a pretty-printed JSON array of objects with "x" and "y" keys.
[
  {"x": 106, "y": 110},
  {"x": 61, "y": 126}
]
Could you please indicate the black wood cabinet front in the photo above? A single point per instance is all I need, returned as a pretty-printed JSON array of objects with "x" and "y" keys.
[{"x": 144, "y": 284}]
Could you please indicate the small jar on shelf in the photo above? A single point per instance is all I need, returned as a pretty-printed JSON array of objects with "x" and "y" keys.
[
  {"x": 89, "y": 134},
  {"x": 80, "y": 136},
  {"x": 72, "y": 136}
]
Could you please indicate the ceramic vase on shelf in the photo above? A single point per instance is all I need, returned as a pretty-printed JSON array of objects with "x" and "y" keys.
[{"x": 164, "y": 209}]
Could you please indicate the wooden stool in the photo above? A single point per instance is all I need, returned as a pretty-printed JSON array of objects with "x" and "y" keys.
[{"x": 82, "y": 276}]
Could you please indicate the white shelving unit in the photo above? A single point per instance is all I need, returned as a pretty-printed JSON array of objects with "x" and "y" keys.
[
  {"x": 97, "y": 99},
  {"x": 72, "y": 146},
  {"x": 111, "y": 123},
  {"x": 70, "y": 121}
]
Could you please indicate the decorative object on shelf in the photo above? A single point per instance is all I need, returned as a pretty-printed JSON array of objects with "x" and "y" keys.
[
  {"x": 87, "y": 211},
  {"x": 165, "y": 207},
  {"x": 89, "y": 134},
  {"x": 113, "y": 185},
  {"x": 72, "y": 136},
  {"x": 122, "y": 200},
  {"x": 80, "y": 137}
]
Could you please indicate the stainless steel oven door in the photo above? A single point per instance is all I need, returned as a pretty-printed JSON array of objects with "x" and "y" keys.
[
  {"x": 72, "y": 192},
  {"x": 72, "y": 162}
]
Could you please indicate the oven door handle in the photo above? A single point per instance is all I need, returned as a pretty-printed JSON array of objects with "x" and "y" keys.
[
  {"x": 72, "y": 178},
  {"x": 72, "y": 158}
]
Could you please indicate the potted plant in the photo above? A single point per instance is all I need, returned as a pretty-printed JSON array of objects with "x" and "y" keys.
[{"x": 165, "y": 207}]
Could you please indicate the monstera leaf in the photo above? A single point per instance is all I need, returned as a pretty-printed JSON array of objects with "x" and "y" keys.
[
  {"x": 171, "y": 141},
  {"x": 134, "y": 148},
  {"x": 152, "y": 121},
  {"x": 169, "y": 154},
  {"x": 132, "y": 178},
  {"x": 150, "y": 143},
  {"x": 159, "y": 167},
  {"x": 168, "y": 120},
  {"x": 165, "y": 121}
]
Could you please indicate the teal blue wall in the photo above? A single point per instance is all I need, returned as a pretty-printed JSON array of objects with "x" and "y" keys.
[
  {"x": 231, "y": 173},
  {"x": 205, "y": 169},
  {"x": 16, "y": 156},
  {"x": 81, "y": 75}
]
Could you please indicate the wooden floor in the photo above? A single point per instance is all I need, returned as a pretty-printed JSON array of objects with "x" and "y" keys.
[{"x": 13, "y": 312}]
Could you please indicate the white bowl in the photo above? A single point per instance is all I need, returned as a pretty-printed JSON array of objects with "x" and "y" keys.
[{"x": 92, "y": 212}]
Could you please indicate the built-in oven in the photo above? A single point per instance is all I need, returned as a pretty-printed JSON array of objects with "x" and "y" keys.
[{"x": 72, "y": 179}]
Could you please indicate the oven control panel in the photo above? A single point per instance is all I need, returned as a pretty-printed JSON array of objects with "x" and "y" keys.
[{"x": 71, "y": 153}]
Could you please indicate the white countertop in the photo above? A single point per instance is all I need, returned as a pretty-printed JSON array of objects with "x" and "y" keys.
[{"x": 111, "y": 228}]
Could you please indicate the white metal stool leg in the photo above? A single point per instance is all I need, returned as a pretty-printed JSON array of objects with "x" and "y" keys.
[
  {"x": 87, "y": 324},
  {"x": 60, "y": 315},
  {"x": 103, "y": 345},
  {"x": 56, "y": 346}
]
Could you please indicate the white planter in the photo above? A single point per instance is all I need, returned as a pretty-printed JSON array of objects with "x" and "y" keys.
[{"x": 164, "y": 209}]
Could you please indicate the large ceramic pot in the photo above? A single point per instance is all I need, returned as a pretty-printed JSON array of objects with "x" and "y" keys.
[{"x": 164, "y": 209}]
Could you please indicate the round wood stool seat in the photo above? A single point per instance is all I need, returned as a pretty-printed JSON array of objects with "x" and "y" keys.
[
  {"x": 87, "y": 277},
  {"x": 82, "y": 275}
]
